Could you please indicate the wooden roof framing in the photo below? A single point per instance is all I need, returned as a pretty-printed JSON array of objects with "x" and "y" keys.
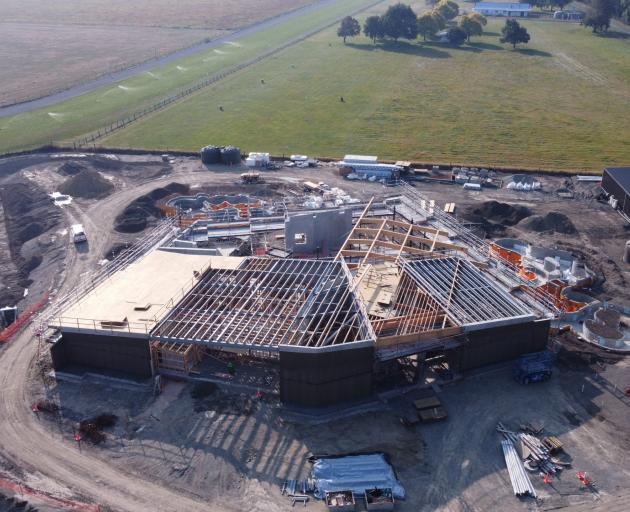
[
  {"x": 384, "y": 239},
  {"x": 269, "y": 302}
]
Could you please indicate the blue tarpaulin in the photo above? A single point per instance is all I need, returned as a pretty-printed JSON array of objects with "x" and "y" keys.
[{"x": 355, "y": 473}]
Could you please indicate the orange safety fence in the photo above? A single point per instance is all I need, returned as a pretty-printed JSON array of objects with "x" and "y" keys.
[
  {"x": 553, "y": 288},
  {"x": 506, "y": 254},
  {"x": 23, "y": 318}
]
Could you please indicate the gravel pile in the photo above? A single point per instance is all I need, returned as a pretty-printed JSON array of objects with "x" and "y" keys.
[{"x": 87, "y": 184}]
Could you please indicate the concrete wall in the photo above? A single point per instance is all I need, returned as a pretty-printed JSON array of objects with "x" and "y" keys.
[
  {"x": 324, "y": 231},
  {"x": 320, "y": 379},
  {"x": 499, "y": 344},
  {"x": 612, "y": 187},
  {"x": 118, "y": 353}
]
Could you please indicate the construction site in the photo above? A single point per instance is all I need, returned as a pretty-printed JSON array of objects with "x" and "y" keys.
[{"x": 229, "y": 340}]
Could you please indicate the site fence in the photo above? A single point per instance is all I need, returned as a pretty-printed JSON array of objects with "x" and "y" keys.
[
  {"x": 22, "y": 319},
  {"x": 182, "y": 93}
]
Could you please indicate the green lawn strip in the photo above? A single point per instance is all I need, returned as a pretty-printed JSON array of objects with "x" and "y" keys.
[{"x": 561, "y": 102}]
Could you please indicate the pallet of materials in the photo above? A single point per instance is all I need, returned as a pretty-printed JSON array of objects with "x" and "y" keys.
[
  {"x": 433, "y": 414},
  {"x": 427, "y": 403}
]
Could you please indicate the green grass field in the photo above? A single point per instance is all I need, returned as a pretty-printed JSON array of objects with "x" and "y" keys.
[
  {"x": 561, "y": 102},
  {"x": 91, "y": 111}
]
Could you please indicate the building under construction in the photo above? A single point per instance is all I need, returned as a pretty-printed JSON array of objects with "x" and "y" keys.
[{"x": 417, "y": 283}]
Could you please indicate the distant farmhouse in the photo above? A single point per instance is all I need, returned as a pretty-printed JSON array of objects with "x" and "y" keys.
[{"x": 502, "y": 9}]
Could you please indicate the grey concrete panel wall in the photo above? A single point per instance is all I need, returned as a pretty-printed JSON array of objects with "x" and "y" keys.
[
  {"x": 324, "y": 231},
  {"x": 500, "y": 344},
  {"x": 118, "y": 353},
  {"x": 611, "y": 186},
  {"x": 321, "y": 379}
]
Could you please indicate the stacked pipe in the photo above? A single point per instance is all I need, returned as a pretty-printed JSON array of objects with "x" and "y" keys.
[
  {"x": 521, "y": 483},
  {"x": 539, "y": 455}
]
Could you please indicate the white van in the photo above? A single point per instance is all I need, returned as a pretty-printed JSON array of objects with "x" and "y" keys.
[{"x": 78, "y": 233}]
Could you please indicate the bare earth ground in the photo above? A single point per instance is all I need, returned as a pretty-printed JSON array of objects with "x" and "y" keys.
[
  {"x": 48, "y": 46},
  {"x": 38, "y": 59},
  {"x": 230, "y": 451}
]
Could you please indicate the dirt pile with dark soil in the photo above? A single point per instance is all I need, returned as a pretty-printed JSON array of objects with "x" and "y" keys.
[
  {"x": 554, "y": 222},
  {"x": 15, "y": 505},
  {"x": 28, "y": 213},
  {"x": 70, "y": 168},
  {"x": 494, "y": 217},
  {"x": 143, "y": 211},
  {"x": 87, "y": 184},
  {"x": 501, "y": 213}
]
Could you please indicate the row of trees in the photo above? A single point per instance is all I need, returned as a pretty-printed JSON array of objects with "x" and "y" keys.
[
  {"x": 549, "y": 4},
  {"x": 401, "y": 22},
  {"x": 600, "y": 12}
]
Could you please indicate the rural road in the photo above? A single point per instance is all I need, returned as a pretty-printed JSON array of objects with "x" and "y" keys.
[{"x": 79, "y": 89}]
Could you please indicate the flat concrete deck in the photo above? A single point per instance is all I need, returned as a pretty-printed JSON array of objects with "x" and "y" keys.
[{"x": 134, "y": 299}]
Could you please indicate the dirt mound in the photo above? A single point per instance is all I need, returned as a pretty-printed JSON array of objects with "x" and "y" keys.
[
  {"x": 138, "y": 214},
  {"x": 11, "y": 504},
  {"x": 87, "y": 184},
  {"x": 554, "y": 221},
  {"x": 501, "y": 213},
  {"x": 28, "y": 212},
  {"x": 70, "y": 168}
]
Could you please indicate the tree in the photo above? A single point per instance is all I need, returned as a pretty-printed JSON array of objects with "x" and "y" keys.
[
  {"x": 513, "y": 33},
  {"x": 439, "y": 19},
  {"x": 349, "y": 28},
  {"x": 447, "y": 9},
  {"x": 599, "y": 14},
  {"x": 456, "y": 36},
  {"x": 479, "y": 18},
  {"x": 400, "y": 21},
  {"x": 562, "y": 3},
  {"x": 373, "y": 28},
  {"x": 427, "y": 25},
  {"x": 471, "y": 26}
]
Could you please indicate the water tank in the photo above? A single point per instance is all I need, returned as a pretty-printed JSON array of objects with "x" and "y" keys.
[
  {"x": 626, "y": 254},
  {"x": 230, "y": 155},
  {"x": 211, "y": 155}
]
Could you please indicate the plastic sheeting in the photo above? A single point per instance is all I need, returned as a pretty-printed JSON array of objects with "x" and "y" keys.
[{"x": 355, "y": 473}]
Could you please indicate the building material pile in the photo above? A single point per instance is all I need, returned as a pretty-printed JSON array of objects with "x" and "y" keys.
[
  {"x": 521, "y": 483},
  {"x": 535, "y": 453}
]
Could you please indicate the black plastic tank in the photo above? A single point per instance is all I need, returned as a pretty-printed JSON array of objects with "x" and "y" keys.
[
  {"x": 211, "y": 155},
  {"x": 230, "y": 155}
]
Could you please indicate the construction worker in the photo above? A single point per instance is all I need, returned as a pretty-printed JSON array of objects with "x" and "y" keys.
[{"x": 231, "y": 368}]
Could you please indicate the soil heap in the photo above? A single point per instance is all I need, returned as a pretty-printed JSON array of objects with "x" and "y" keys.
[
  {"x": 501, "y": 213},
  {"x": 87, "y": 184},
  {"x": 142, "y": 211},
  {"x": 494, "y": 217},
  {"x": 70, "y": 168},
  {"x": 554, "y": 222},
  {"x": 28, "y": 212}
]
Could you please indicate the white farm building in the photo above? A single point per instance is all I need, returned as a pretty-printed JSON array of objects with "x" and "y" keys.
[{"x": 502, "y": 9}]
